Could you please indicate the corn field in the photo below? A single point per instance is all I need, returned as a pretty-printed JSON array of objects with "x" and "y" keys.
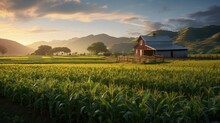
[{"x": 180, "y": 91}]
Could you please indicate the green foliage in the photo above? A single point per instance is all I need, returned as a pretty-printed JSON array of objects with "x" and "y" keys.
[
  {"x": 182, "y": 91},
  {"x": 61, "y": 49},
  {"x": 47, "y": 50},
  {"x": 3, "y": 50},
  {"x": 97, "y": 48},
  {"x": 43, "y": 50}
]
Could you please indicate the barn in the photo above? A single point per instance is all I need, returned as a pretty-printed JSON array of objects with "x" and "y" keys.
[{"x": 158, "y": 45}]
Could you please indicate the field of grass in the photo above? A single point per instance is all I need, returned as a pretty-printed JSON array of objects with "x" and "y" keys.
[
  {"x": 52, "y": 60},
  {"x": 177, "y": 91}
]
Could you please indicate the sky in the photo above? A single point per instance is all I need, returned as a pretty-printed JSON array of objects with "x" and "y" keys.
[{"x": 28, "y": 21}]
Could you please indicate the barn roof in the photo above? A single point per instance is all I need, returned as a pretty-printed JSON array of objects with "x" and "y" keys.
[
  {"x": 161, "y": 43},
  {"x": 156, "y": 38},
  {"x": 167, "y": 47}
]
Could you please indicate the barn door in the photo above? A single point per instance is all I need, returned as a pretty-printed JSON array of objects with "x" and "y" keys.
[{"x": 171, "y": 53}]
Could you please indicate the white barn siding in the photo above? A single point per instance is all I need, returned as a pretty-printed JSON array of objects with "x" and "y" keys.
[
  {"x": 180, "y": 54},
  {"x": 164, "y": 53}
]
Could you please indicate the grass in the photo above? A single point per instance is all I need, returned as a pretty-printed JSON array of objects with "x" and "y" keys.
[
  {"x": 178, "y": 91},
  {"x": 52, "y": 60}
]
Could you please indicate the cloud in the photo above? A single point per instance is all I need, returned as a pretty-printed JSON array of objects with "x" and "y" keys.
[
  {"x": 84, "y": 17},
  {"x": 211, "y": 16},
  {"x": 41, "y": 30},
  {"x": 152, "y": 26},
  {"x": 32, "y": 9},
  {"x": 144, "y": 25},
  {"x": 130, "y": 19},
  {"x": 25, "y": 10},
  {"x": 77, "y": 1},
  {"x": 68, "y": 7}
]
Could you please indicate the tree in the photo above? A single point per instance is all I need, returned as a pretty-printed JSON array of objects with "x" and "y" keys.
[
  {"x": 3, "y": 50},
  {"x": 44, "y": 50},
  {"x": 97, "y": 47},
  {"x": 61, "y": 49},
  {"x": 66, "y": 50}
]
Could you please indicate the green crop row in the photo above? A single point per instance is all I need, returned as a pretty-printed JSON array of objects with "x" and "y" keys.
[{"x": 180, "y": 91}]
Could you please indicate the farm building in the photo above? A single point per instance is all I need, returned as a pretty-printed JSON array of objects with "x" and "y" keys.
[{"x": 158, "y": 45}]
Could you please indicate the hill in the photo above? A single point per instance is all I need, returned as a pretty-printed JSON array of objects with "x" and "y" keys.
[
  {"x": 197, "y": 34},
  {"x": 211, "y": 44},
  {"x": 53, "y": 43},
  {"x": 80, "y": 44},
  {"x": 14, "y": 48},
  {"x": 163, "y": 32},
  {"x": 123, "y": 47}
]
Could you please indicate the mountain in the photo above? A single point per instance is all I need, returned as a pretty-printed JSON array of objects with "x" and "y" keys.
[
  {"x": 80, "y": 44},
  {"x": 196, "y": 40},
  {"x": 163, "y": 32},
  {"x": 196, "y": 34},
  {"x": 14, "y": 48},
  {"x": 123, "y": 47},
  {"x": 53, "y": 43},
  {"x": 211, "y": 44}
]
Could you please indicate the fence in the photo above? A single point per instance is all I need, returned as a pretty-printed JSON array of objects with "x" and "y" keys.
[{"x": 140, "y": 59}]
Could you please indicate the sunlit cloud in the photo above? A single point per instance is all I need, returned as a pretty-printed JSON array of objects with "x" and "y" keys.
[
  {"x": 42, "y": 30},
  {"x": 77, "y": 1},
  {"x": 84, "y": 17},
  {"x": 61, "y": 9}
]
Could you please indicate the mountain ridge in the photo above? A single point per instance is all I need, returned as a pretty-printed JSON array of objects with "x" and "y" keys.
[
  {"x": 80, "y": 44},
  {"x": 14, "y": 48}
]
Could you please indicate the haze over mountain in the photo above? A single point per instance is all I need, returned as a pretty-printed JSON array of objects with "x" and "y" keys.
[
  {"x": 80, "y": 45},
  {"x": 14, "y": 48}
]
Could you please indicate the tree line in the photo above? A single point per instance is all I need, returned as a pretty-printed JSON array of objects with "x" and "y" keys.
[
  {"x": 95, "y": 48},
  {"x": 48, "y": 50}
]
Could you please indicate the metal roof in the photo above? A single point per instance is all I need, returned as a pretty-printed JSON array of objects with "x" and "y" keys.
[
  {"x": 161, "y": 43},
  {"x": 167, "y": 47},
  {"x": 156, "y": 38}
]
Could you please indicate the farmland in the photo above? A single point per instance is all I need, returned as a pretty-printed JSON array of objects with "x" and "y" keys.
[
  {"x": 52, "y": 60},
  {"x": 176, "y": 91}
]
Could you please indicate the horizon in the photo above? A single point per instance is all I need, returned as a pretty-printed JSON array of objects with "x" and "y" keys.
[{"x": 29, "y": 21}]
